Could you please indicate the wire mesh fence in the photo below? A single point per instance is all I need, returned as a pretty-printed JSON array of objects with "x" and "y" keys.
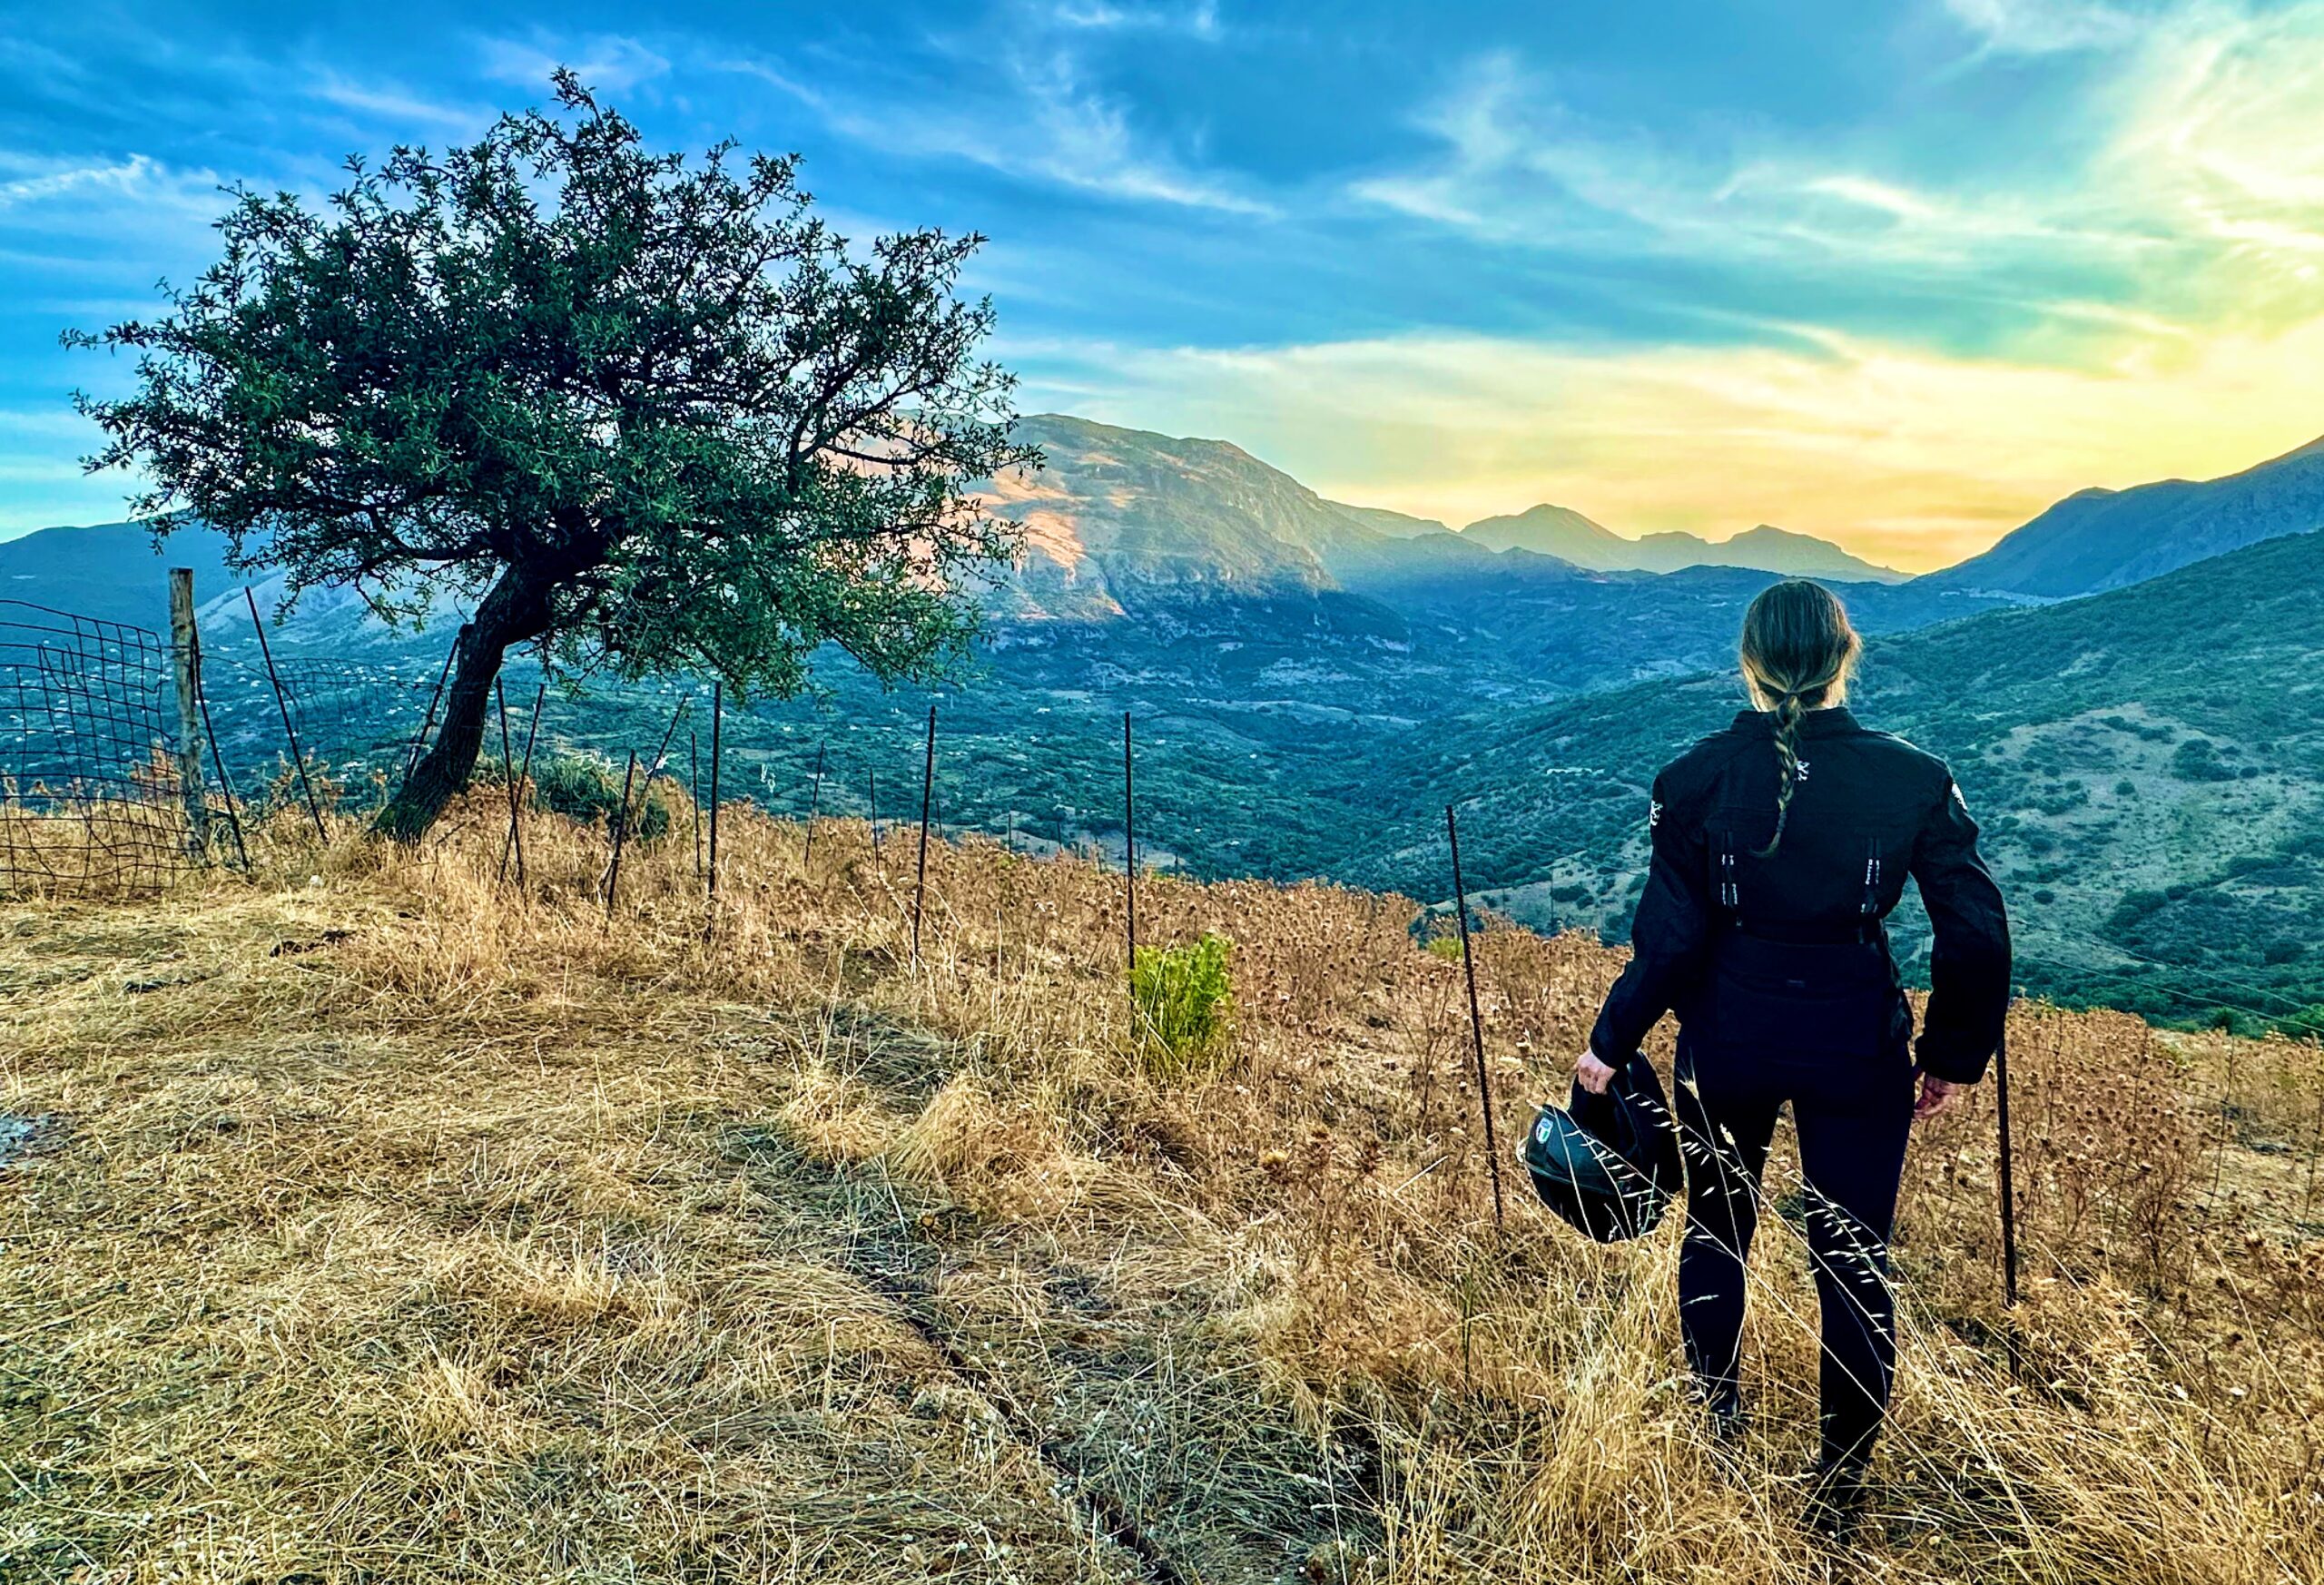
[
  {"x": 89, "y": 793},
  {"x": 359, "y": 725}
]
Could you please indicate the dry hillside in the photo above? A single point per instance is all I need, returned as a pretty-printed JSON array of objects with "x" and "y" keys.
[{"x": 377, "y": 1225}]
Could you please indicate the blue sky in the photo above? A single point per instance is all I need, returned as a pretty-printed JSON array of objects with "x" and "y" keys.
[{"x": 1896, "y": 274}]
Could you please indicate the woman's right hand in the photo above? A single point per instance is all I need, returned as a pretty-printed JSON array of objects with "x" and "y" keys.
[
  {"x": 1592, "y": 1073},
  {"x": 1938, "y": 1094}
]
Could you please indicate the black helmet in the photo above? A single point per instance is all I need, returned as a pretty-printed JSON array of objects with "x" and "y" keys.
[{"x": 1608, "y": 1164}]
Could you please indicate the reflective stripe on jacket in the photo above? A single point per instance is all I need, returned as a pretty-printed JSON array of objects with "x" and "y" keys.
[{"x": 1868, "y": 808}]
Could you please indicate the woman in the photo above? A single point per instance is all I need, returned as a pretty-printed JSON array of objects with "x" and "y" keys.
[{"x": 1779, "y": 846}]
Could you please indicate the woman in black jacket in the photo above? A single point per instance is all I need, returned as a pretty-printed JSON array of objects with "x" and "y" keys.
[{"x": 1779, "y": 846}]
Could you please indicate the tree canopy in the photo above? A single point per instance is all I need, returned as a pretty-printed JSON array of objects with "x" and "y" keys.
[{"x": 643, "y": 411}]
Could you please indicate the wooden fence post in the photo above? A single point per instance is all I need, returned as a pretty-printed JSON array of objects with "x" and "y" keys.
[{"x": 185, "y": 651}]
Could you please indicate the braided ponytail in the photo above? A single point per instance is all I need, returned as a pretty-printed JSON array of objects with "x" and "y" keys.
[
  {"x": 1788, "y": 710},
  {"x": 1797, "y": 652}
]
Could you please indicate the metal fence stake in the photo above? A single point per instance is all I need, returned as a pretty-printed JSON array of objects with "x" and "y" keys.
[
  {"x": 621, "y": 829},
  {"x": 298, "y": 755},
  {"x": 814, "y": 806},
  {"x": 927, "y": 803},
  {"x": 427, "y": 721},
  {"x": 1476, "y": 1020},
  {"x": 1129, "y": 851},
  {"x": 717, "y": 721},
  {"x": 508, "y": 774},
  {"x": 2008, "y": 1177},
  {"x": 524, "y": 778}
]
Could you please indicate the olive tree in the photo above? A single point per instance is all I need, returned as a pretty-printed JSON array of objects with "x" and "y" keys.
[{"x": 642, "y": 411}]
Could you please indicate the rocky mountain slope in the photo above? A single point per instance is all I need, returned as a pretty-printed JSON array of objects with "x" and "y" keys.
[{"x": 2104, "y": 539}]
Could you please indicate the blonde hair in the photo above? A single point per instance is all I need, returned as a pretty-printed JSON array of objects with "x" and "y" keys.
[{"x": 1798, "y": 651}]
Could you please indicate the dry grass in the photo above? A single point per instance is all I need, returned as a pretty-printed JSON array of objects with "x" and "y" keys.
[{"x": 382, "y": 1225}]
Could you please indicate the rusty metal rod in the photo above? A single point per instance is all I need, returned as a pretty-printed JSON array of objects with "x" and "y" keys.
[
  {"x": 1476, "y": 1020},
  {"x": 298, "y": 755}
]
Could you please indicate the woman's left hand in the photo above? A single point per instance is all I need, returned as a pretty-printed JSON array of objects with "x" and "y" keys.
[{"x": 1592, "y": 1073}]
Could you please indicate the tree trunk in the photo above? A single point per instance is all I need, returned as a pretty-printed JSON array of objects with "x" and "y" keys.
[{"x": 513, "y": 611}]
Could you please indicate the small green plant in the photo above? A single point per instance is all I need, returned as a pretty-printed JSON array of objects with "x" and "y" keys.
[
  {"x": 587, "y": 788},
  {"x": 1447, "y": 947},
  {"x": 1185, "y": 1001}
]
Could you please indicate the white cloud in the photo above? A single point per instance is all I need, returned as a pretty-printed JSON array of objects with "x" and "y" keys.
[
  {"x": 95, "y": 195},
  {"x": 1053, "y": 128},
  {"x": 2204, "y": 190},
  {"x": 395, "y": 104},
  {"x": 608, "y": 62},
  {"x": 1517, "y": 166},
  {"x": 2034, "y": 27},
  {"x": 1197, "y": 21},
  {"x": 56, "y": 181}
]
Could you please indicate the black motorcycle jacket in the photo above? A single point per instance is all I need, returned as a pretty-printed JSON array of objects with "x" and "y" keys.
[{"x": 1868, "y": 810}]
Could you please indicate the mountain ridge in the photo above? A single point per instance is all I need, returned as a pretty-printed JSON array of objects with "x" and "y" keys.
[{"x": 2099, "y": 538}]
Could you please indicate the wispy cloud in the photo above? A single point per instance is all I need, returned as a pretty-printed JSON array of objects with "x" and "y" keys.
[
  {"x": 2036, "y": 27},
  {"x": 611, "y": 63},
  {"x": 2198, "y": 194},
  {"x": 397, "y": 104},
  {"x": 79, "y": 195},
  {"x": 1053, "y": 126},
  {"x": 1517, "y": 166},
  {"x": 1199, "y": 20}
]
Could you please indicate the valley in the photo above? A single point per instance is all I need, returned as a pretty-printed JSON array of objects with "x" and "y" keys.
[{"x": 1311, "y": 683}]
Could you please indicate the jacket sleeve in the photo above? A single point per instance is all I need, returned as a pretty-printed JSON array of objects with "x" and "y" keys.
[
  {"x": 1668, "y": 934},
  {"x": 1969, "y": 958}
]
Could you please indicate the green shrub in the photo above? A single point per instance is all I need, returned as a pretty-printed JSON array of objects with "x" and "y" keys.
[
  {"x": 2197, "y": 760},
  {"x": 1185, "y": 1001},
  {"x": 587, "y": 788},
  {"x": 1447, "y": 947}
]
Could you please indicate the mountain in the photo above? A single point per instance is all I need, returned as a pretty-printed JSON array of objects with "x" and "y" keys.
[
  {"x": 2104, "y": 539},
  {"x": 1566, "y": 534},
  {"x": 111, "y": 571},
  {"x": 1558, "y": 531},
  {"x": 1138, "y": 541},
  {"x": 1765, "y": 548}
]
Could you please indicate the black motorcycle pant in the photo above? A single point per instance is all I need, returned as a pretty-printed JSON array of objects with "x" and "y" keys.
[{"x": 1852, "y": 1115}]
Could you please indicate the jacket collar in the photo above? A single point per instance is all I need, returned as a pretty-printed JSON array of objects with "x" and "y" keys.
[{"x": 1827, "y": 722}]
